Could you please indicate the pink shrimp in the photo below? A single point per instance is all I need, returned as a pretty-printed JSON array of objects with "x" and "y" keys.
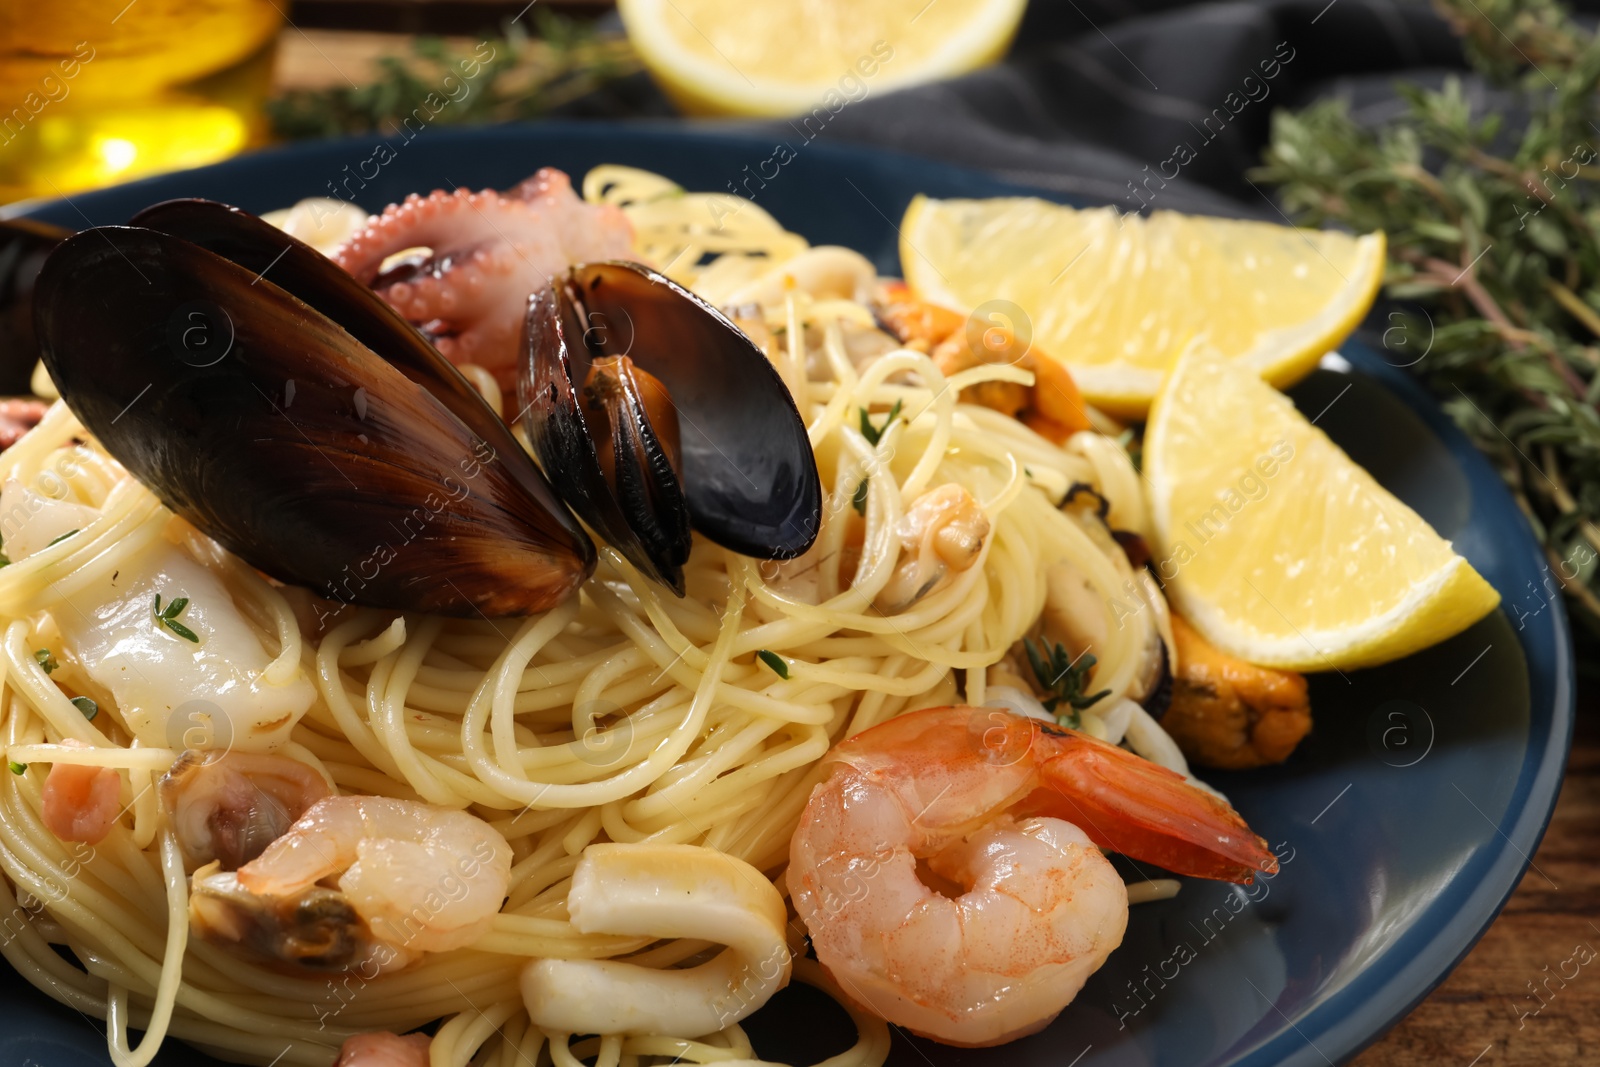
[
  {"x": 81, "y": 803},
  {"x": 1004, "y": 814},
  {"x": 380, "y": 1048}
]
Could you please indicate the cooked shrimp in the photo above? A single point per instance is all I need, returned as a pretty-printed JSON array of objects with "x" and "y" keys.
[
  {"x": 81, "y": 803},
  {"x": 406, "y": 878},
  {"x": 231, "y": 806},
  {"x": 380, "y": 1048},
  {"x": 1005, "y": 813},
  {"x": 941, "y": 534}
]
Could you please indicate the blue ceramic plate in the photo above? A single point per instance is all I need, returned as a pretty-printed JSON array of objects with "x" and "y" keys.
[{"x": 1404, "y": 821}]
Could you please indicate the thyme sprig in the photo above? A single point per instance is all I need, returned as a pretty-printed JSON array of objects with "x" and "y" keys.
[
  {"x": 776, "y": 663},
  {"x": 1064, "y": 680},
  {"x": 874, "y": 433},
  {"x": 501, "y": 79},
  {"x": 168, "y": 618},
  {"x": 1493, "y": 250}
]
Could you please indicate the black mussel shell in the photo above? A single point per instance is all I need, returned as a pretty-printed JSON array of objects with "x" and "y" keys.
[
  {"x": 268, "y": 252},
  {"x": 24, "y": 244},
  {"x": 640, "y": 460},
  {"x": 295, "y": 266},
  {"x": 563, "y": 436},
  {"x": 262, "y": 421},
  {"x": 748, "y": 475}
]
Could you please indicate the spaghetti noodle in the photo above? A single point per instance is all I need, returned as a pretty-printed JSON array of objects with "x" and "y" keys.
[{"x": 624, "y": 715}]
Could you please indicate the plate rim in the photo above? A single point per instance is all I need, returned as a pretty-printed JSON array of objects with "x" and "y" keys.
[
  {"x": 1361, "y": 1012},
  {"x": 1531, "y": 806}
]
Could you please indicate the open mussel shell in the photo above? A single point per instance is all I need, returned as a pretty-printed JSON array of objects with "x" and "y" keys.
[
  {"x": 650, "y": 528},
  {"x": 24, "y": 245},
  {"x": 269, "y": 426},
  {"x": 744, "y": 466},
  {"x": 291, "y": 264}
]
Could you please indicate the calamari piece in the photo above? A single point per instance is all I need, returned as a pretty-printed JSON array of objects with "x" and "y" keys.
[
  {"x": 322, "y": 223},
  {"x": 827, "y": 272},
  {"x": 664, "y": 891},
  {"x": 169, "y": 691}
]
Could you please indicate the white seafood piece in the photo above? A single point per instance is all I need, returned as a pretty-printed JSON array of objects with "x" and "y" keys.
[
  {"x": 320, "y": 222},
  {"x": 664, "y": 891},
  {"x": 170, "y": 692},
  {"x": 941, "y": 534},
  {"x": 827, "y": 272}
]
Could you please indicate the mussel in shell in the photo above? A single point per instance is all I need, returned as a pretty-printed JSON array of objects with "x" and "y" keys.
[
  {"x": 304, "y": 272},
  {"x": 303, "y": 425},
  {"x": 656, "y": 413}
]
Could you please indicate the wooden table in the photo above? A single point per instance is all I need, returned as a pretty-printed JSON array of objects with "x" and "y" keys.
[{"x": 1475, "y": 1018}]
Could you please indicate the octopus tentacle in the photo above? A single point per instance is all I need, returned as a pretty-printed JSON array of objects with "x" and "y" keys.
[{"x": 487, "y": 251}]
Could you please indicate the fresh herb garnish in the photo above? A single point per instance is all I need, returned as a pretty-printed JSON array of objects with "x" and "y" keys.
[
  {"x": 1063, "y": 679},
  {"x": 872, "y": 433},
  {"x": 859, "y": 499},
  {"x": 62, "y": 538},
  {"x": 46, "y": 661},
  {"x": 522, "y": 75},
  {"x": 1494, "y": 250},
  {"x": 169, "y": 617},
  {"x": 18, "y": 768},
  {"x": 775, "y": 661},
  {"x": 89, "y": 708}
]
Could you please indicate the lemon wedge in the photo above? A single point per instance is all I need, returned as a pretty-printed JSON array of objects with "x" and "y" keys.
[
  {"x": 809, "y": 57},
  {"x": 1117, "y": 297},
  {"x": 1280, "y": 548}
]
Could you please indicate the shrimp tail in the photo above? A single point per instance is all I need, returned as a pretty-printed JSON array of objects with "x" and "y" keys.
[{"x": 1144, "y": 811}]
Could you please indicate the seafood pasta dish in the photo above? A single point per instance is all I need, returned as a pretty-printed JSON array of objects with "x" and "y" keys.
[{"x": 536, "y": 626}]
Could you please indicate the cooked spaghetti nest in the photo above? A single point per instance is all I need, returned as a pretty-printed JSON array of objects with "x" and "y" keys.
[{"x": 624, "y": 715}]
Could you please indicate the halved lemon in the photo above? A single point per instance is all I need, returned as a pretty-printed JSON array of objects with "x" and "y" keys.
[
  {"x": 1278, "y": 546},
  {"x": 809, "y": 57},
  {"x": 1117, "y": 297}
]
